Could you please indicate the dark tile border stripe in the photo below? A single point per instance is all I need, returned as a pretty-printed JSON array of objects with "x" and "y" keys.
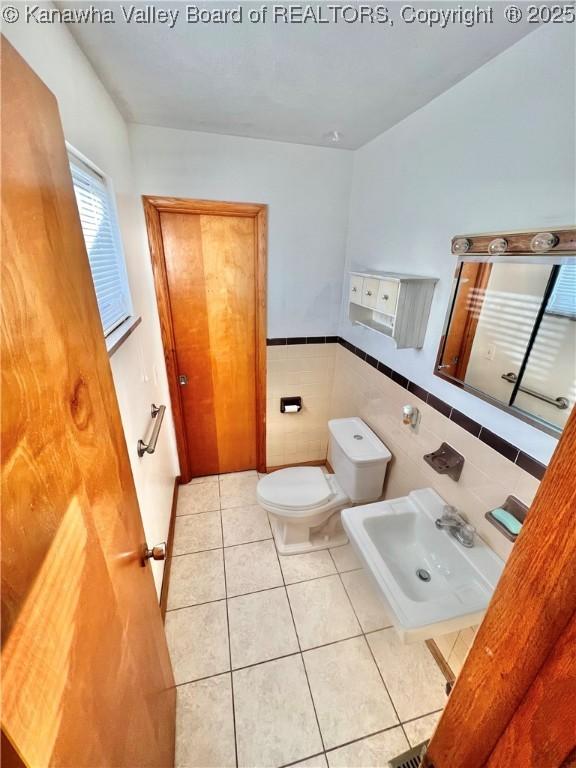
[{"x": 501, "y": 446}]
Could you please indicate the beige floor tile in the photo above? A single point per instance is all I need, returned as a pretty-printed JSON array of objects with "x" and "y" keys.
[
  {"x": 367, "y": 603},
  {"x": 313, "y": 762},
  {"x": 245, "y": 473},
  {"x": 198, "y": 641},
  {"x": 245, "y": 524},
  {"x": 460, "y": 650},
  {"x": 275, "y": 722},
  {"x": 345, "y": 558},
  {"x": 197, "y": 578},
  {"x": 205, "y": 724},
  {"x": 445, "y": 643},
  {"x": 198, "y": 497},
  {"x": 373, "y": 752},
  {"x": 412, "y": 677},
  {"x": 421, "y": 729},
  {"x": 350, "y": 698},
  {"x": 194, "y": 533},
  {"x": 204, "y": 479},
  {"x": 251, "y": 567},
  {"x": 310, "y": 565},
  {"x": 238, "y": 489},
  {"x": 261, "y": 627},
  {"x": 322, "y": 611}
]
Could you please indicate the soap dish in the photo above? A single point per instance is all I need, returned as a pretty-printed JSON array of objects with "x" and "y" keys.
[
  {"x": 446, "y": 461},
  {"x": 516, "y": 508}
]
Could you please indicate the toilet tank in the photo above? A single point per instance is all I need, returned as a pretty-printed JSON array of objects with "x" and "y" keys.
[{"x": 359, "y": 459}]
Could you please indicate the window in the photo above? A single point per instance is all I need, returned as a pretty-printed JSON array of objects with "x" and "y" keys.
[
  {"x": 563, "y": 298},
  {"x": 102, "y": 238}
]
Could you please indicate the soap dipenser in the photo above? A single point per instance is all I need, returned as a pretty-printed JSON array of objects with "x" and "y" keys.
[
  {"x": 290, "y": 404},
  {"x": 513, "y": 507}
]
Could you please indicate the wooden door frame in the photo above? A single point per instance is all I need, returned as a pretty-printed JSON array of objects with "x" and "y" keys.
[
  {"x": 514, "y": 684},
  {"x": 153, "y": 207}
]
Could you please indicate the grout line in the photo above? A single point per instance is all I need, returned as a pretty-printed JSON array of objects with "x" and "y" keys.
[
  {"x": 195, "y": 605},
  {"x": 300, "y": 649},
  {"x": 413, "y": 719},
  {"x": 229, "y": 546},
  {"x": 228, "y": 631},
  {"x": 246, "y": 543},
  {"x": 302, "y": 759},
  {"x": 361, "y": 738},
  {"x": 198, "y": 512},
  {"x": 226, "y": 597},
  {"x": 198, "y": 551},
  {"x": 240, "y": 669},
  {"x": 202, "y": 679},
  {"x": 374, "y": 660}
]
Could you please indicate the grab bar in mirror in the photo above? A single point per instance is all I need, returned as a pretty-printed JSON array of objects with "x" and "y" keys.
[
  {"x": 157, "y": 415},
  {"x": 559, "y": 402}
]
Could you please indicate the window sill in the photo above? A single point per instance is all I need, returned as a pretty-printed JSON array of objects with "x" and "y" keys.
[{"x": 118, "y": 336}]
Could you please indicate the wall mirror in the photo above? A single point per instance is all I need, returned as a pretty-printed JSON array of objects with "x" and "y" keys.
[{"x": 510, "y": 331}]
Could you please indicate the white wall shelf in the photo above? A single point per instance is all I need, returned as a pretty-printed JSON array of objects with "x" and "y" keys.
[{"x": 391, "y": 303}]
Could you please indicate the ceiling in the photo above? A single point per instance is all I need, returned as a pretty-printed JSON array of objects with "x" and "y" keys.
[{"x": 286, "y": 82}]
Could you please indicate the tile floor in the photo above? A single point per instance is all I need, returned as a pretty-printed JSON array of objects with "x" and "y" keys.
[{"x": 283, "y": 660}]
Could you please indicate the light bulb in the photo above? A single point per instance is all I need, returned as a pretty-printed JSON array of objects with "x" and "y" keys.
[
  {"x": 543, "y": 241},
  {"x": 461, "y": 245},
  {"x": 499, "y": 245}
]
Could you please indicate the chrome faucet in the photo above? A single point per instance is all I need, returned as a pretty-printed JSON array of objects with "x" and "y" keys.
[{"x": 453, "y": 521}]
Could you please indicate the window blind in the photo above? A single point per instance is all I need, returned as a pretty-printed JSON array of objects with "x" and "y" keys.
[
  {"x": 102, "y": 239},
  {"x": 563, "y": 298}
]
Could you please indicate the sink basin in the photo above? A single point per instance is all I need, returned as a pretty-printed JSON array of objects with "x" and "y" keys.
[{"x": 430, "y": 583}]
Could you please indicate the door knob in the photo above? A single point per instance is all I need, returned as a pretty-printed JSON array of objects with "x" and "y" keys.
[{"x": 157, "y": 552}]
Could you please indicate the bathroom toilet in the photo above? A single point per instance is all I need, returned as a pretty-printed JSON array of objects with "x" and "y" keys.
[{"x": 305, "y": 502}]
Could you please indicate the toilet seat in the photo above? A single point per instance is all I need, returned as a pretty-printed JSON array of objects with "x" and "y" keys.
[
  {"x": 304, "y": 505},
  {"x": 296, "y": 491}
]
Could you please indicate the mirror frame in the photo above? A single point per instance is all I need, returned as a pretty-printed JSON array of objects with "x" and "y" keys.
[{"x": 518, "y": 251}]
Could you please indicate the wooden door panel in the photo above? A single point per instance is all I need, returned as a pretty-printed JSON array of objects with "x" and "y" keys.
[
  {"x": 468, "y": 302},
  {"x": 211, "y": 274},
  {"x": 86, "y": 674},
  {"x": 542, "y": 732}
]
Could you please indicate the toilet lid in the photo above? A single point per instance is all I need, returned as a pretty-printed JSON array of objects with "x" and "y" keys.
[{"x": 295, "y": 488}]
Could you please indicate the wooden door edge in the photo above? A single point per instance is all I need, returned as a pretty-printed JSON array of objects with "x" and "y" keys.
[
  {"x": 153, "y": 206},
  {"x": 152, "y": 217},
  {"x": 261, "y": 325},
  {"x": 169, "y": 548}
]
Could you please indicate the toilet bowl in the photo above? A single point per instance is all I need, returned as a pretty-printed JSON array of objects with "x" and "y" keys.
[{"x": 305, "y": 502}]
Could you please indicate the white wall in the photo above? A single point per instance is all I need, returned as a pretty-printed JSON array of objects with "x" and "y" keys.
[
  {"x": 306, "y": 189},
  {"x": 93, "y": 125},
  {"x": 495, "y": 152}
]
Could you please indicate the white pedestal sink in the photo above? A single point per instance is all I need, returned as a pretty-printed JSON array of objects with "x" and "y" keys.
[{"x": 430, "y": 583}]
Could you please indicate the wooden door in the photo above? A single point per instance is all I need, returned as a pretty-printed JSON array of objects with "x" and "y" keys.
[
  {"x": 474, "y": 277},
  {"x": 86, "y": 677},
  {"x": 513, "y": 703},
  {"x": 209, "y": 264}
]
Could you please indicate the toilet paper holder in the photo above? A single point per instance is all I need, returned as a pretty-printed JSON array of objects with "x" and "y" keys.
[{"x": 290, "y": 404}]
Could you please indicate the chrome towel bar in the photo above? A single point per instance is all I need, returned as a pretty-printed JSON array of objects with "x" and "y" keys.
[
  {"x": 558, "y": 402},
  {"x": 157, "y": 415}
]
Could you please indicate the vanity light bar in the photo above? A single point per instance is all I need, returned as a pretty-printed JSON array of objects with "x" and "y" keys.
[{"x": 560, "y": 241}]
